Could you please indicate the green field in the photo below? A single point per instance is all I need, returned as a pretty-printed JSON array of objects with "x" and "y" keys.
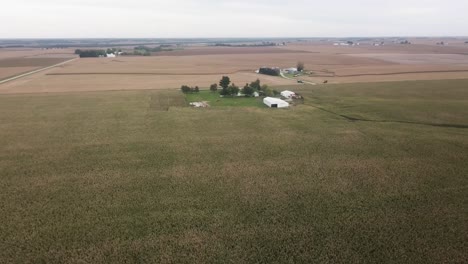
[
  {"x": 215, "y": 100},
  {"x": 138, "y": 177}
]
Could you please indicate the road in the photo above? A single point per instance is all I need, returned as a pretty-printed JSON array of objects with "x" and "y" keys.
[
  {"x": 35, "y": 71},
  {"x": 285, "y": 77}
]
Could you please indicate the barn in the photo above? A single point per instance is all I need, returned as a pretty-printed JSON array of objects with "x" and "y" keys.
[{"x": 275, "y": 102}]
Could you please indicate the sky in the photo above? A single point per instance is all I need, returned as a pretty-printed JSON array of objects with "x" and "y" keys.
[{"x": 236, "y": 18}]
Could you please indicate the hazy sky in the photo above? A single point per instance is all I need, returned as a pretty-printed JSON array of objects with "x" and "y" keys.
[{"x": 237, "y": 18}]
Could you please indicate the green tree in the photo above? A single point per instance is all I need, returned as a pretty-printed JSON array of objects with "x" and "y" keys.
[
  {"x": 233, "y": 89},
  {"x": 196, "y": 89},
  {"x": 225, "y": 81},
  {"x": 214, "y": 87},
  {"x": 265, "y": 90},
  {"x": 256, "y": 85},
  {"x": 248, "y": 90},
  {"x": 185, "y": 89},
  {"x": 300, "y": 66}
]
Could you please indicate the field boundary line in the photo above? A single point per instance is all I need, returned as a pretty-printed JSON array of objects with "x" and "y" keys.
[
  {"x": 144, "y": 73},
  {"x": 35, "y": 71}
]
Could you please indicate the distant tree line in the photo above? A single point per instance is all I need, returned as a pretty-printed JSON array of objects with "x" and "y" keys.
[
  {"x": 263, "y": 44},
  {"x": 90, "y": 53},
  {"x": 188, "y": 89},
  {"x": 270, "y": 71},
  {"x": 146, "y": 51}
]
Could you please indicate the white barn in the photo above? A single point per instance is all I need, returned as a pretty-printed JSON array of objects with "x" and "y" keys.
[{"x": 275, "y": 102}]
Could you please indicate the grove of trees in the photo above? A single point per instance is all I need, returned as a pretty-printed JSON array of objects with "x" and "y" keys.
[
  {"x": 90, "y": 53},
  {"x": 270, "y": 71},
  {"x": 230, "y": 89},
  {"x": 188, "y": 89}
]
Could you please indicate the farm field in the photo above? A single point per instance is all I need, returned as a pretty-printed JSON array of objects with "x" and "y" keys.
[
  {"x": 203, "y": 65},
  {"x": 360, "y": 173},
  {"x": 15, "y": 62}
]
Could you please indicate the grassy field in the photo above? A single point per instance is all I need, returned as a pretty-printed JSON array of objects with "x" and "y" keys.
[
  {"x": 214, "y": 100},
  {"x": 134, "y": 177}
]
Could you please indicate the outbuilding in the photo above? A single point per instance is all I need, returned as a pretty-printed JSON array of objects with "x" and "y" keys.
[
  {"x": 291, "y": 70},
  {"x": 288, "y": 94},
  {"x": 275, "y": 102}
]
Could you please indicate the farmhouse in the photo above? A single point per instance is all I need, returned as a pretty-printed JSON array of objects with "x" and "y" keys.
[
  {"x": 288, "y": 94},
  {"x": 110, "y": 55},
  {"x": 275, "y": 102}
]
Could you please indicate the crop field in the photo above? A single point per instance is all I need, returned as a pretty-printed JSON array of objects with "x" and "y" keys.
[
  {"x": 15, "y": 62},
  {"x": 202, "y": 66},
  {"x": 360, "y": 173}
]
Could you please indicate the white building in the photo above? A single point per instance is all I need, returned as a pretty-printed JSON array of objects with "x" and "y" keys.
[
  {"x": 275, "y": 102},
  {"x": 110, "y": 55},
  {"x": 291, "y": 70},
  {"x": 288, "y": 94}
]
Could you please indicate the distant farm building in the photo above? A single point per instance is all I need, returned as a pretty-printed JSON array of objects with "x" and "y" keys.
[
  {"x": 275, "y": 102},
  {"x": 110, "y": 55},
  {"x": 288, "y": 94},
  {"x": 291, "y": 70}
]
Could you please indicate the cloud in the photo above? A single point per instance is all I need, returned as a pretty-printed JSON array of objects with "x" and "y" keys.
[{"x": 237, "y": 18}]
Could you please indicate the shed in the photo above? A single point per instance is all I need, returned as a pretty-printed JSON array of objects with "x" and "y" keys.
[
  {"x": 288, "y": 94},
  {"x": 275, "y": 102}
]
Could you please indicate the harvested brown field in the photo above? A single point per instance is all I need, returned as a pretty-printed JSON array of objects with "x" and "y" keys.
[
  {"x": 227, "y": 50},
  {"x": 13, "y": 71},
  {"x": 28, "y": 52},
  {"x": 108, "y": 82},
  {"x": 425, "y": 59},
  {"x": 15, "y": 66},
  {"x": 203, "y": 66},
  {"x": 29, "y": 62}
]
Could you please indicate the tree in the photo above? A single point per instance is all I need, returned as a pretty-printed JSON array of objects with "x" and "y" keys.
[
  {"x": 256, "y": 85},
  {"x": 265, "y": 90},
  {"x": 225, "y": 81},
  {"x": 248, "y": 90},
  {"x": 300, "y": 66},
  {"x": 185, "y": 89},
  {"x": 269, "y": 71},
  {"x": 233, "y": 89},
  {"x": 196, "y": 89},
  {"x": 214, "y": 87}
]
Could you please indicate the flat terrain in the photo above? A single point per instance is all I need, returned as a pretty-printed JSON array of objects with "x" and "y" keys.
[
  {"x": 361, "y": 173},
  {"x": 203, "y": 65},
  {"x": 14, "y": 62}
]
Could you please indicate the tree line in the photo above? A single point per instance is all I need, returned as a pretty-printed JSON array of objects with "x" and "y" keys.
[
  {"x": 228, "y": 88},
  {"x": 188, "y": 89},
  {"x": 90, "y": 53}
]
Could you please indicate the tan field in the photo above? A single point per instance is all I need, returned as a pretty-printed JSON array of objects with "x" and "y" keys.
[
  {"x": 14, "y": 62},
  {"x": 203, "y": 66}
]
